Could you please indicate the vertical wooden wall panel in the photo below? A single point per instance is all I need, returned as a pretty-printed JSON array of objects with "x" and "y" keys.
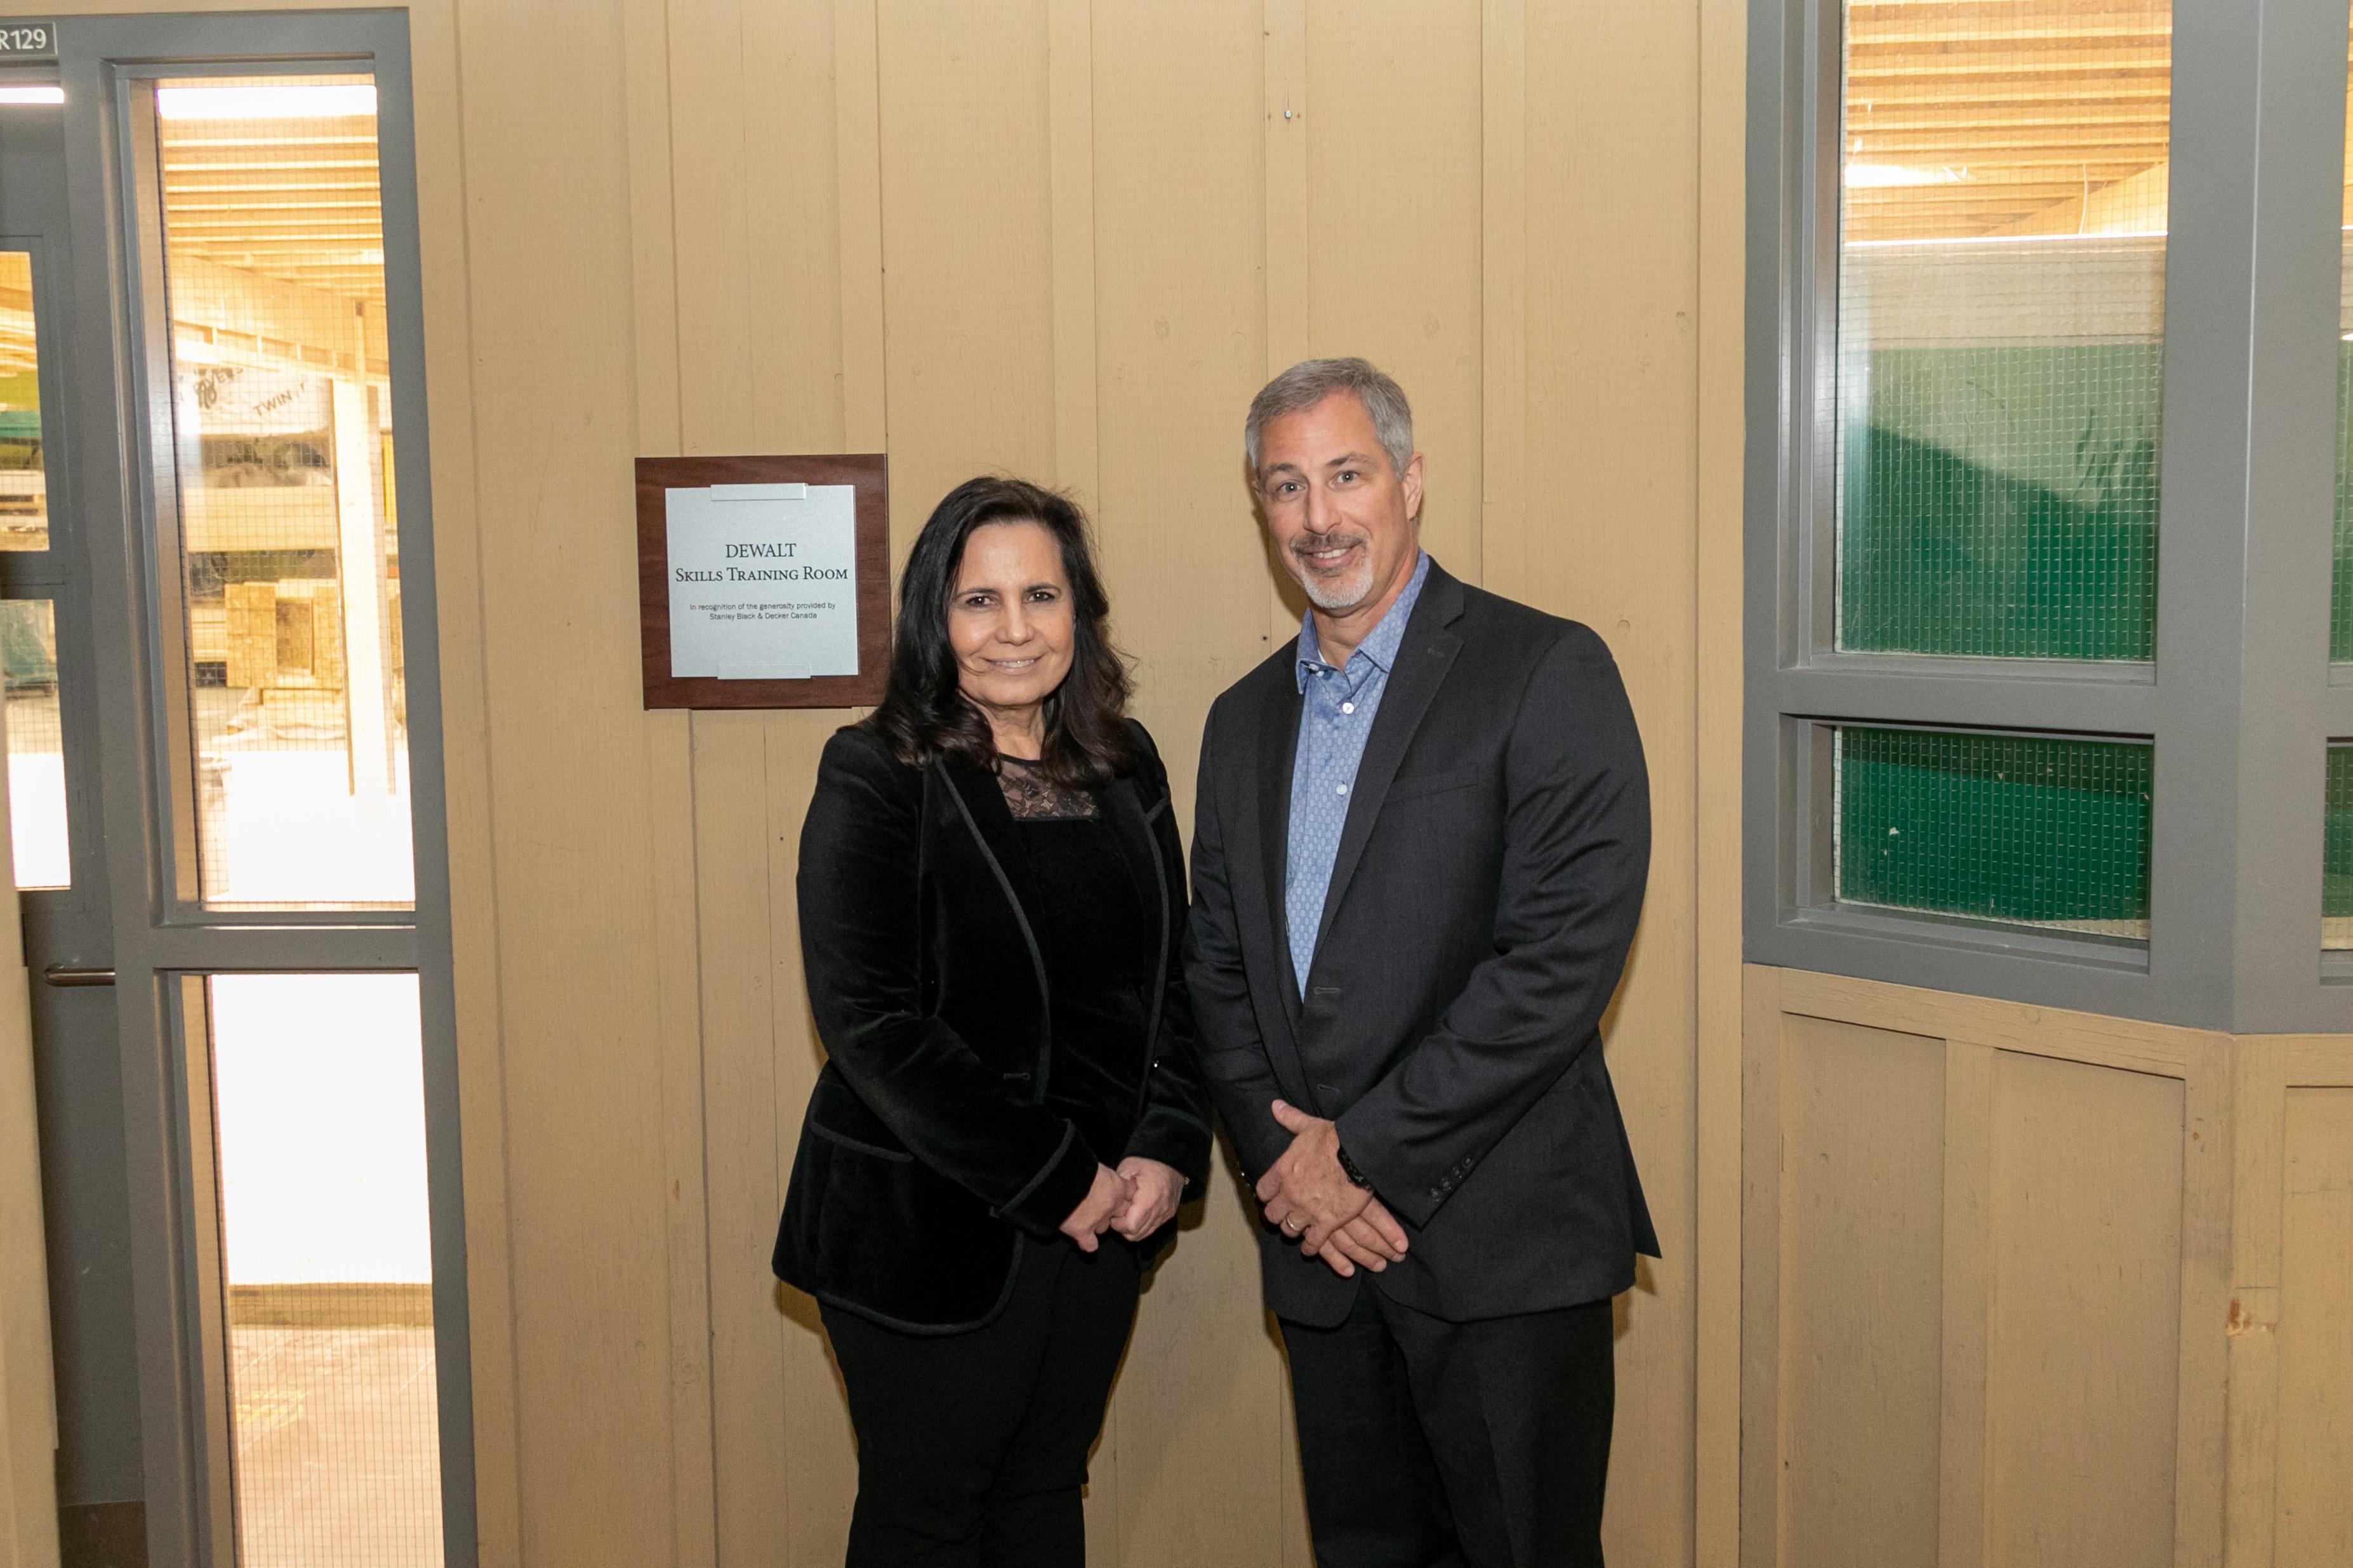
[
  {"x": 1503, "y": 288},
  {"x": 1607, "y": 536},
  {"x": 710, "y": 222},
  {"x": 1862, "y": 1212},
  {"x": 967, "y": 215},
  {"x": 445, "y": 251},
  {"x": 550, "y": 292},
  {"x": 1283, "y": 189},
  {"x": 757, "y": 245},
  {"x": 1393, "y": 228},
  {"x": 817, "y": 1470},
  {"x": 791, "y": 177},
  {"x": 1179, "y": 349},
  {"x": 740, "y": 1062},
  {"x": 1721, "y": 562},
  {"x": 2314, "y": 1503},
  {"x": 1078, "y": 465},
  {"x": 669, "y": 750},
  {"x": 2086, "y": 1328}
]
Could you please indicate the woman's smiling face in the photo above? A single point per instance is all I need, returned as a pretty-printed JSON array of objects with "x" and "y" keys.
[{"x": 1010, "y": 620}]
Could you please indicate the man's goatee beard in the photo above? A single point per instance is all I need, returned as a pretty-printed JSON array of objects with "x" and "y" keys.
[{"x": 1343, "y": 594}]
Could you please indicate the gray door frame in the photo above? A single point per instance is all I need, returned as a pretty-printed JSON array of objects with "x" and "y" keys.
[
  {"x": 2240, "y": 701},
  {"x": 121, "y": 403},
  {"x": 77, "y": 1073}
]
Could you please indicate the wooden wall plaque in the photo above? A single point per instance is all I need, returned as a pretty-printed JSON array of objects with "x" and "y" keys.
[{"x": 762, "y": 575}]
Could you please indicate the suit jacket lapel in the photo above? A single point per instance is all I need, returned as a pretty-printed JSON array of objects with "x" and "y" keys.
[
  {"x": 1124, "y": 806},
  {"x": 1278, "y": 749},
  {"x": 1423, "y": 660},
  {"x": 980, "y": 801}
]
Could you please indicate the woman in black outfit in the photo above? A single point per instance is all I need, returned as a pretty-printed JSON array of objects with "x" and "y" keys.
[{"x": 991, "y": 900}]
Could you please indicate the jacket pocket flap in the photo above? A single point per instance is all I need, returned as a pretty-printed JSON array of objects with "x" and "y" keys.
[
  {"x": 1437, "y": 784},
  {"x": 837, "y": 1115}
]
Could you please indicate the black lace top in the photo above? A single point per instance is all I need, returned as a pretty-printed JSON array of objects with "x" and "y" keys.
[
  {"x": 1033, "y": 797},
  {"x": 1100, "y": 942}
]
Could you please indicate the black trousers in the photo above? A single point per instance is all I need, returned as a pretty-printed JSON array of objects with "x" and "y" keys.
[
  {"x": 1427, "y": 1443},
  {"x": 972, "y": 1448}
]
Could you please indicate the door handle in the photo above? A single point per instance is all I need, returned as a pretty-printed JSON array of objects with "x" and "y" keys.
[{"x": 66, "y": 974}]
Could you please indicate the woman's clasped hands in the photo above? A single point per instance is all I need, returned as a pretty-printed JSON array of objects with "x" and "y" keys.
[{"x": 1134, "y": 1200}]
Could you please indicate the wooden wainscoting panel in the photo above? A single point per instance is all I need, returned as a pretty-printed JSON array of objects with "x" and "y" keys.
[
  {"x": 1969, "y": 1281},
  {"x": 1761, "y": 1471},
  {"x": 2202, "y": 1390},
  {"x": 1863, "y": 1213},
  {"x": 2315, "y": 1505},
  {"x": 2126, "y": 1043},
  {"x": 2085, "y": 1337}
]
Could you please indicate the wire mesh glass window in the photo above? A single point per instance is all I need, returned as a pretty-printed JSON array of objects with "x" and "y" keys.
[
  {"x": 2336, "y": 853},
  {"x": 24, "y": 487},
  {"x": 36, "y": 772},
  {"x": 2023, "y": 830},
  {"x": 2340, "y": 586},
  {"x": 273, "y": 239},
  {"x": 326, "y": 1271},
  {"x": 2001, "y": 311}
]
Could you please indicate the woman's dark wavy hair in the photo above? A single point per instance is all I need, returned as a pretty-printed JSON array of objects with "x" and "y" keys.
[{"x": 924, "y": 714}]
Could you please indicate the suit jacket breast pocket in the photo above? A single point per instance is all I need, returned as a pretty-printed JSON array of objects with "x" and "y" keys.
[{"x": 1422, "y": 785}]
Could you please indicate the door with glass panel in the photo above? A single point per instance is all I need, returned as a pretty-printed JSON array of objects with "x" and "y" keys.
[
  {"x": 258, "y": 565},
  {"x": 56, "y": 843}
]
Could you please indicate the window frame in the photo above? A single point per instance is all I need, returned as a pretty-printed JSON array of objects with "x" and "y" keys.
[{"x": 2247, "y": 474}]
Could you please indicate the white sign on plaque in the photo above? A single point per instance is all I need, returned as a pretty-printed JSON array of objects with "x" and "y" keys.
[{"x": 762, "y": 581}]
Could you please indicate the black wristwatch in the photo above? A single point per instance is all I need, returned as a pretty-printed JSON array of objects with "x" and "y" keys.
[{"x": 1348, "y": 1169}]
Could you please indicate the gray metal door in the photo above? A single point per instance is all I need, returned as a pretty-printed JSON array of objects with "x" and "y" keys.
[{"x": 52, "y": 686}]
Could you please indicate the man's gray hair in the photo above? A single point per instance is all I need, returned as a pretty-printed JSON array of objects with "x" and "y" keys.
[{"x": 1310, "y": 381}]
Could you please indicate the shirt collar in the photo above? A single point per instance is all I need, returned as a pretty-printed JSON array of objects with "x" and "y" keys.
[{"x": 1381, "y": 644}]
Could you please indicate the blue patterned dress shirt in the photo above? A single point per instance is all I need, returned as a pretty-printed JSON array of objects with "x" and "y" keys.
[{"x": 1335, "y": 715}]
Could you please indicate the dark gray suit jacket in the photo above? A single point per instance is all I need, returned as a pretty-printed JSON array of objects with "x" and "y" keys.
[{"x": 1489, "y": 878}]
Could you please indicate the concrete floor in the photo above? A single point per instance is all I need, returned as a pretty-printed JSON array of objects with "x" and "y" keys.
[{"x": 337, "y": 1457}]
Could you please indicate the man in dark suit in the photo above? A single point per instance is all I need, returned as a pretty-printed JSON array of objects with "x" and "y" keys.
[{"x": 1420, "y": 847}]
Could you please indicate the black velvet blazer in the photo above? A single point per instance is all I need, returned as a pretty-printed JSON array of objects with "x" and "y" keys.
[{"x": 928, "y": 1139}]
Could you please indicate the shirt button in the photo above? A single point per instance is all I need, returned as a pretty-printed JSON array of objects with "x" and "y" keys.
[
  {"x": 1343, "y": 789},
  {"x": 1348, "y": 708}
]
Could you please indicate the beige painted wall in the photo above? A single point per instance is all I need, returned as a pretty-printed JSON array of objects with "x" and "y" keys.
[{"x": 1064, "y": 239}]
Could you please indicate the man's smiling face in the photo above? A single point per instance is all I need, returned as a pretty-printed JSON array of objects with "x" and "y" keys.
[{"x": 1344, "y": 518}]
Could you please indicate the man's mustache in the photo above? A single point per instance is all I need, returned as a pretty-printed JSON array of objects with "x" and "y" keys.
[{"x": 1314, "y": 542}]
